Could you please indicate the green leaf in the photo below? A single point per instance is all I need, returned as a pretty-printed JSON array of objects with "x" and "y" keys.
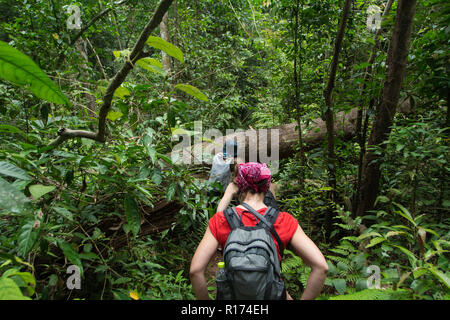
[
  {"x": 27, "y": 238},
  {"x": 151, "y": 64},
  {"x": 340, "y": 285},
  {"x": 132, "y": 214},
  {"x": 11, "y": 199},
  {"x": 114, "y": 115},
  {"x": 122, "y": 53},
  {"x": 11, "y": 129},
  {"x": 193, "y": 91},
  {"x": 22, "y": 279},
  {"x": 368, "y": 234},
  {"x": 8, "y": 169},
  {"x": 121, "y": 92},
  {"x": 9, "y": 290},
  {"x": 375, "y": 241},
  {"x": 71, "y": 254},
  {"x": 170, "y": 49},
  {"x": 411, "y": 256},
  {"x": 404, "y": 213},
  {"x": 38, "y": 190},
  {"x": 362, "y": 66},
  {"x": 147, "y": 140},
  {"x": 394, "y": 233},
  {"x": 171, "y": 191},
  {"x": 64, "y": 212},
  {"x": 440, "y": 275},
  {"x": 156, "y": 178},
  {"x": 20, "y": 70}
]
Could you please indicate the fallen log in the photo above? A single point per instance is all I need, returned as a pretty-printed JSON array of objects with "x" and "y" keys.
[
  {"x": 251, "y": 141},
  {"x": 255, "y": 145}
]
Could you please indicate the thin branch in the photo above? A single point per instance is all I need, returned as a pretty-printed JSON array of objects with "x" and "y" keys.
[
  {"x": 136, "y": 54},
  {"x": 93, "y": 20},
  {"x": 102, "y": 70}
]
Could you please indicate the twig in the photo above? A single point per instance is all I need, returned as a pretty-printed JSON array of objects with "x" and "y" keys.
[{"x": 136, "y": 54}]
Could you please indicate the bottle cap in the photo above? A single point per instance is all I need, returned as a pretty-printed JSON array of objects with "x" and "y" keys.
[{"x": 221, "y": 265}]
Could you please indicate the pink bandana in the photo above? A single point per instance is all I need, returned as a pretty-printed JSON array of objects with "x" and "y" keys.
[{"x": 250, "y": 174}]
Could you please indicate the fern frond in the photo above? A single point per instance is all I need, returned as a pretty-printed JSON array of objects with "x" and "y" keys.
[
  {"x": 338, "y": 259},
  {"x": 340, "y": 251}
]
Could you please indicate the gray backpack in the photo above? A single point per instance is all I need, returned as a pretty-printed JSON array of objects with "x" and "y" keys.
[{"x": 252, "y": 266}]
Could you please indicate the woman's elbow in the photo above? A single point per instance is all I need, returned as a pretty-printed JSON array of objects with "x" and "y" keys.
[
  {"x": 195, "y": 271},
  {"x": 321, "y": 268}
]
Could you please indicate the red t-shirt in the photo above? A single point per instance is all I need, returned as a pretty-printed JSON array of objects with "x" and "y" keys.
[{"x": 285, "y": 226}]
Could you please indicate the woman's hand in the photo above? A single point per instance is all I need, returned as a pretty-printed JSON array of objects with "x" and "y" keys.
[{"x": 232, "y": 189}]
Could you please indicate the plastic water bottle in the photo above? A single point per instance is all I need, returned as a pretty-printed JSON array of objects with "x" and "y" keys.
[{"x": 220, "y": 273}]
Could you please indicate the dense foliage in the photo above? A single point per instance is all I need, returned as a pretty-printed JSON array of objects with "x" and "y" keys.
[{"x": 130, "y": 219}]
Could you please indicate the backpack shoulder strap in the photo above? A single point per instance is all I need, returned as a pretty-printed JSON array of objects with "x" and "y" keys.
[
  {"x": 232, "y": 218},
  {"x": 272, "y": 215}
]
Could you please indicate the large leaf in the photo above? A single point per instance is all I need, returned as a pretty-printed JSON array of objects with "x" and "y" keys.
[
  {"x": 375, "y": 241},
  {"x": 440, "y": 275},
  {"x": 11, "y": 199},
  {"x": 412, "y": 258},
  {"x": 170, "y": 49},
  {"x": 150, "y": 148},
  {"x": 71, "y": 255},
  {"x": 22, "y": 279},
  {"x": 340, "y": 285},
  {"x": 114, "y": 115},
  {"x": 27, "y": 238},
  {"x": 19, "y": 69},
  {"x": 38, "y": 190},
  {"x": 404, "y": 213},
  {"x": 9, "y": 290},
  {"x": 121, "y": 92},
  {"x": 132, "y": 214},
  {"x": 11, "y": 129},
  {"x": 151, "y": 64},
  {"x": 193, "y": 91},
  {"x": 8, "y": 169}
]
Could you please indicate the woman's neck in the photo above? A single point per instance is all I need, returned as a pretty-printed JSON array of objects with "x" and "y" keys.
[{"x": 256, "y": 201}]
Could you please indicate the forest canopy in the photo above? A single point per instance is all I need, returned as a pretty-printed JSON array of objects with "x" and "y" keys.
[{"x": 95, "y": 97}]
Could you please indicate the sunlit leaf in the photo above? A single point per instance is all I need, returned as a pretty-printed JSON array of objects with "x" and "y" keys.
[
  {"x": 20, "y": 70},
  {"x": 38, "y": 190},
  {"x": 151, "y": 64},
  {"x": 114, "y": 115},
  {"x": 170, "y": 49},
  {"x": 193, "y": 91}
]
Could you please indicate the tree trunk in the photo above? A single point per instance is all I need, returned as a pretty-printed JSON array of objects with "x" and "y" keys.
[
  {"x": 361, "y": 130},
  {"x": 329, "y": 115},
  {"x": 297, "y": 81},
  {"x": 396, "y": 65},
  {"x": 164, "y": 31}
]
